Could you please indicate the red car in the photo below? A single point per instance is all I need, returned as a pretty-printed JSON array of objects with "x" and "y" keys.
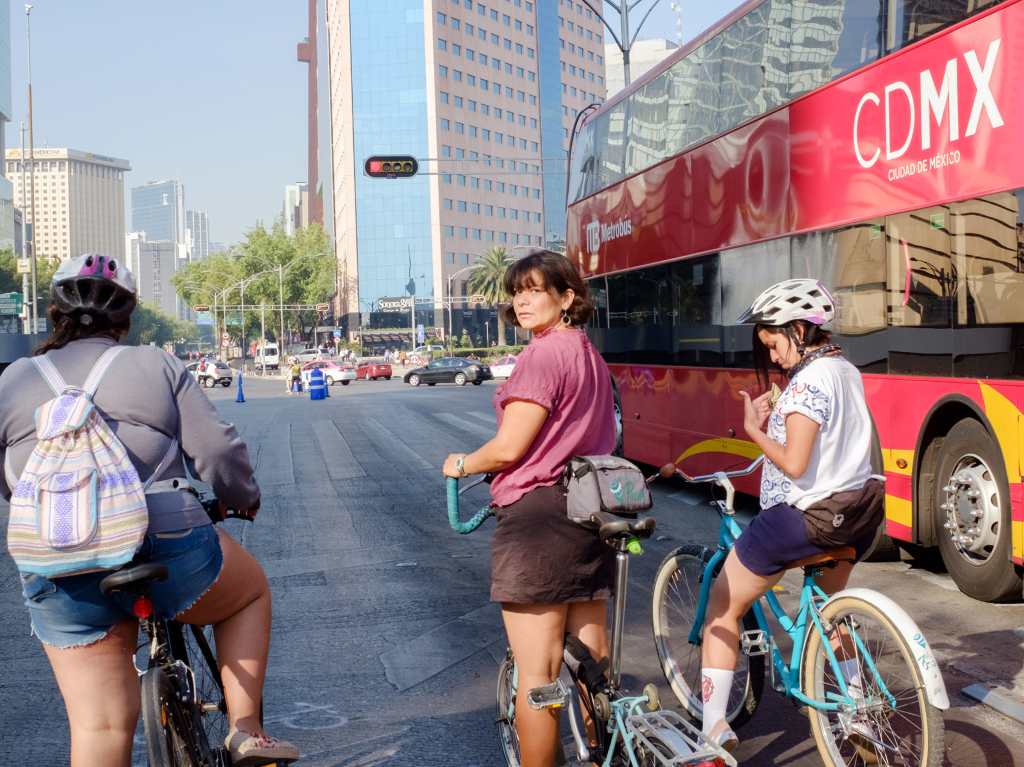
[{"x": 371, "y": 371}]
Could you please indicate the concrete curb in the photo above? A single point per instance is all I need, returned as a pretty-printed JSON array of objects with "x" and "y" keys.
[{"x": 997, "y": 698}]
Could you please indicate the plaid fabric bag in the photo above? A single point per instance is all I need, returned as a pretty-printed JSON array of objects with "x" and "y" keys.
[{"x": 79, "y": 505}]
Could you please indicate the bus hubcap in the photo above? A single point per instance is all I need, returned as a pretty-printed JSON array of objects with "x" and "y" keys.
[{"x": 972, "y": 509}]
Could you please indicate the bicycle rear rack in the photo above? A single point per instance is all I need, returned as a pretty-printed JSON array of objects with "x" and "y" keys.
[{"x": 672, "y": 741}]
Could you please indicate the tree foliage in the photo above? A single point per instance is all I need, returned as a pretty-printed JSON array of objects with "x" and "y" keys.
[
  {"x": 150, "y": 326},
  {"x": 10, "y": 280},
  {"x": 308, "y": 278},
  {"x": 487, "y": 279}
]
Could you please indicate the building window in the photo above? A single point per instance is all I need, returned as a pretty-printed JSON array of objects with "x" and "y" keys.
[
  {"x": 456, "y": 49},
  {"x": 462, "y": 206},
  {"x": 444, "y": 97},
  {"x": 469, "y": 54},
  {"x": 460, "y": 153},
  {"x": 449, "y": 231},
  {"x": 446, "y": 151},
  {"x": 449, "y": 258},
  {"x": 442, "y": 71},
  {"x": 445, "y": 124},
  {"x": 519, "y": 48},
  {"x": 471, "y": 79},
  {"x": 457, "y": 76},
  {"x": 455, "y": 24},
  {"x": 442, "y": 44},
  {"x": 472, "y": 131},
  {"x": 447, "y": 203}
]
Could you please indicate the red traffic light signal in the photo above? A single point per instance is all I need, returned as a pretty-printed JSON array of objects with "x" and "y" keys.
[{"x": 391, "y": 166}]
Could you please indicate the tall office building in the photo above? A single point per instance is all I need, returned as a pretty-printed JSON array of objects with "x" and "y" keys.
[
  {"x": 491, "y": 90},
  {"x": 154, "y": 263},
  {"x": 642, "y": 57},
  {"x": 197, "y": 235},
  {"x": 8, "y": 235},
  {"x": 158, "y": 209},
  {"x": 79, "y": 201},
  {"x": 296, "y": 207}
]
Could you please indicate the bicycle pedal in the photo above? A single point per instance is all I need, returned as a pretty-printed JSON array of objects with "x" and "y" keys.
[
  {"x": 552, "y": 696},
  {"x": 754, "y": 643}
]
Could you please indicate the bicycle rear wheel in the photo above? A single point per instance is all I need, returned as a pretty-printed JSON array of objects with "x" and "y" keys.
[
  {"x": 910, "y": 735},
  {"x": 676, "y": 592},
  {"x": 196, "y": 646},
  {"x": 165, "y": 746},
  {"x": 506, "y": 719}
]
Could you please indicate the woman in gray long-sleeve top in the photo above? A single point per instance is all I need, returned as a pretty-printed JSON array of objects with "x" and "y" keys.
[{"x": 161, "y": 416}]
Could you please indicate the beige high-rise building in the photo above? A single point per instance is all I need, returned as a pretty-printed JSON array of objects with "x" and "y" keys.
[
  {"x": 79, "y": 201},
  {"x": 484, "y": 95}
]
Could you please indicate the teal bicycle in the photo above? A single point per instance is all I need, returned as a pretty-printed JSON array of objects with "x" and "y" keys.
[
  {"x": 628, "y": 730},
  {"x": 896, "y": 716}
]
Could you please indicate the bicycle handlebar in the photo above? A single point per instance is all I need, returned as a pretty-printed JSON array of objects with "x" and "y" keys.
[
  {"x": 454, "y": 517},
  {"x": 671, "y": 470}
]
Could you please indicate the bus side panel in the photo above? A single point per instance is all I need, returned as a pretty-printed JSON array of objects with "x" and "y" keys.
[{"x": 900, "y": 406}]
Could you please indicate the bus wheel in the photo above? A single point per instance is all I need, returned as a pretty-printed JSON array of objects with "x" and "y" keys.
[{"x": 972, "y": 506}]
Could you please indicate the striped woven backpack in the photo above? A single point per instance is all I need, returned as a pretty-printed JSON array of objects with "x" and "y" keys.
[{"x": 79, "y": 505}]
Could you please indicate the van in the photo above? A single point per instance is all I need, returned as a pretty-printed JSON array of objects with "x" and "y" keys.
[{"x": 268, "y": 354}]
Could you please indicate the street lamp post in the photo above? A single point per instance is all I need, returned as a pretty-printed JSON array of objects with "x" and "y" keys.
[
  {"x": 625, "y": 42},
  {"x": 32, "y": 169},
  {"x": 450, "y": 306}
]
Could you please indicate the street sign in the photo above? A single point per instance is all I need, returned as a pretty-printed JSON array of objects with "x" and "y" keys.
[
  {"x": 322, "y": 307},
  {"x": 201, "y": 308},
  {"x": 393, "y": 304},
  {"x": 476, "y": 298},
  {"x": 24, "y": 266},
  {"x": 421, "y": 334},
  {"x": 10, "y": 303},
  {"x": 337, "y": 333},
  {"x": 204, "y": 318}
]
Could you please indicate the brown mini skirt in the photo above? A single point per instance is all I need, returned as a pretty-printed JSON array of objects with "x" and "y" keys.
[{"x": 540, "y": 556}]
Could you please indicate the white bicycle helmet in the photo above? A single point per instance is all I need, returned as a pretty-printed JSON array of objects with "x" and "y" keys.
[
  {"x": 92, "y": 284},
  {"x": 783, "y": 302}
]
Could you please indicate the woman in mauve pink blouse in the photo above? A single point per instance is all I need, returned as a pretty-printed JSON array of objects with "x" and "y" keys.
[{"x": 550, "y": 575}]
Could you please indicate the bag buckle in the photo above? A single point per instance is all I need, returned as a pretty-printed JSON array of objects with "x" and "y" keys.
[{"x": 837, "y": 520}]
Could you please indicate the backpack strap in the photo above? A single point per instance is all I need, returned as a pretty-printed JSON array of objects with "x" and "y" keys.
[
  {"x": 92, "y": 382},
  {"x": 9, "y": 470},
  {"x": 50, "y": 374},
  {"x": 170, "y": 455}
]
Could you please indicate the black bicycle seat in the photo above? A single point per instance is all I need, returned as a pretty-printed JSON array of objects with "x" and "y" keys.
[
  {"x": 612, "y": 526},
  {"x": 130, "y": 577}
]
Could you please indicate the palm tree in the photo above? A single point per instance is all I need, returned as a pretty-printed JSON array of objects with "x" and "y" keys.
[{"x": 486, "y": 280}]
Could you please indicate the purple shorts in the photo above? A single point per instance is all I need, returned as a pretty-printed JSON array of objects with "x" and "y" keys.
[{"x": 777, "y": 536}]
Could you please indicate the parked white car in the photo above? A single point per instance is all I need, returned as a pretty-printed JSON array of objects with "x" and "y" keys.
[
  {"x": 504, "y": 366},
  {"x": 334, "y": 372},
  {"x": 307, "y": 355}
]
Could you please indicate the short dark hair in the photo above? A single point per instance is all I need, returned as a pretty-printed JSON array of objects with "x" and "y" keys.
[{"x": 558, "y": 273}]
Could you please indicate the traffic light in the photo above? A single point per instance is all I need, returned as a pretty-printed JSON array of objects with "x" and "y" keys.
[{"x": 391, "y": 166}]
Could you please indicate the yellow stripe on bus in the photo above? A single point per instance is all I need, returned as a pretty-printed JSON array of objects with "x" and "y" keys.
[
  {"x": 740, "y": 447},
  {"x": 890, "y": 457},
  {"x": 899, "y": 510},
  {"x": 1017, "y": 547},
  {"x": 1005, "y": 419}
]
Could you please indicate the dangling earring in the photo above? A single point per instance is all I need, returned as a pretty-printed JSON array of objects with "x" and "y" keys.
[{"x": 566, "y": 320}]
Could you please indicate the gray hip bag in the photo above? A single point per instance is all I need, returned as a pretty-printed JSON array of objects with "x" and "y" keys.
[
  {"x": 845, "y": 518},
  {"x": 603, "y": 483}
]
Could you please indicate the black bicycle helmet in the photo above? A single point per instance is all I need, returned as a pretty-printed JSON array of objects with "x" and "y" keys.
[{"x": 91, "y": 286}]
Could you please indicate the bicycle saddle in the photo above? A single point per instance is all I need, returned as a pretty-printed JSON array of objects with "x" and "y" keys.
[
  {"x": 139, "y": 575},
  {"x": 826, "y": 558},
  {"x": 611, "y": 526}
]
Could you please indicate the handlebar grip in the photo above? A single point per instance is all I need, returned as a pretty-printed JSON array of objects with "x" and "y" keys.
[{"x": 471, "y": 524}]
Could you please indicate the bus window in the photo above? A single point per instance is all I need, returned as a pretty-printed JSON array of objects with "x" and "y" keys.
[
  {"x": 648, "y": 121},
  {"x": 746, "y": 271},
  {"x": 922, "y": 281},
  {"x": 989, "y": 257},
  {"x": 830, "y": 38},
  {"x": 910, "y": 20},
  {"x": 742, "y": 53},
  {"x": 693, "y": 114},
  {"x": 851, "y": 262}
]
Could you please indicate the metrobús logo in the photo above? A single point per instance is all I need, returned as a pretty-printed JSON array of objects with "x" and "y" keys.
[
  {"x": 598, "y": 233},
  {"x": 906, "y": 113}
]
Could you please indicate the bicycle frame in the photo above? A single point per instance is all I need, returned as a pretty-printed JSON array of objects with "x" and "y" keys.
[{"x": 796, "y": 628}]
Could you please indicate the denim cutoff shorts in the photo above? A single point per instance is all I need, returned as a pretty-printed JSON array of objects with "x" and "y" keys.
[{"x": 71, "y": 611}]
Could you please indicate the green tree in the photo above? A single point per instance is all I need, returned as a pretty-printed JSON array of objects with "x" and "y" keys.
[
  {"x": 309, "y": 278},
  {"x": 487, "y": 279},
  {"x": 151, "y": 326}
]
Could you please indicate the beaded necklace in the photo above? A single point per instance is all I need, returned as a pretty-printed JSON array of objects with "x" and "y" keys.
[{"x": 828, "y": 350}]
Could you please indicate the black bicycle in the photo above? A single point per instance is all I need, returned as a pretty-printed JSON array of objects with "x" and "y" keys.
[{"x": 183, "y": 708}]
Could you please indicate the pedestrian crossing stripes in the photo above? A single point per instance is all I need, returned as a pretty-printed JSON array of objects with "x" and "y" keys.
[{"x": 472, "y": 427}]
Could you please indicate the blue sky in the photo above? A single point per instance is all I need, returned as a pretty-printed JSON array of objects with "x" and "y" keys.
[{"x": 208, "y": 92}]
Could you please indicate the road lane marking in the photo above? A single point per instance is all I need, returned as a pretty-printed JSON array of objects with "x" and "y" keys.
[
  {"x": 337, "y": 455},
  {"x": 391, "y": 442},
  {"x": 275, "y": 464},
  {"x": 485, "y": 416}
]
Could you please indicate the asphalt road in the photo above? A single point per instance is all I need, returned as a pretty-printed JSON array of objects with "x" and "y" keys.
[{"x": 385, "y": 646}]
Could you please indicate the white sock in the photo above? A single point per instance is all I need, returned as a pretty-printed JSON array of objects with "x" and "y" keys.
[
  {"x": 716, "y": 683},
  {"x": 851, "y": 673}
]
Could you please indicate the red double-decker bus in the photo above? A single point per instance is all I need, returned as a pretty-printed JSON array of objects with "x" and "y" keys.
[{"x": 876, "y": 145}]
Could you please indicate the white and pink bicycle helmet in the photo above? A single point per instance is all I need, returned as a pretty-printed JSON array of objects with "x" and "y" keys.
[
  {"x": 799, "y": 299},
  {"x": 94, "y": 285}
]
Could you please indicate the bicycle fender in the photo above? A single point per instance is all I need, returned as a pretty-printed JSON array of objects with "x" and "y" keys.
[{"x": 934, "y": 685}]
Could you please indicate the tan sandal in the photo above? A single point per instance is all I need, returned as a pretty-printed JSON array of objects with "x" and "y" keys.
[{"x": 248, "y": 750}]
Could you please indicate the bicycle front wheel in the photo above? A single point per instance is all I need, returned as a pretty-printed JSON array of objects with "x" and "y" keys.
[
  {"x": 160, "y": 719},
  {"x": 674, "y": 610},
  {"x": 909, "y": 734},
  {"x": 506, "y": 719}
]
